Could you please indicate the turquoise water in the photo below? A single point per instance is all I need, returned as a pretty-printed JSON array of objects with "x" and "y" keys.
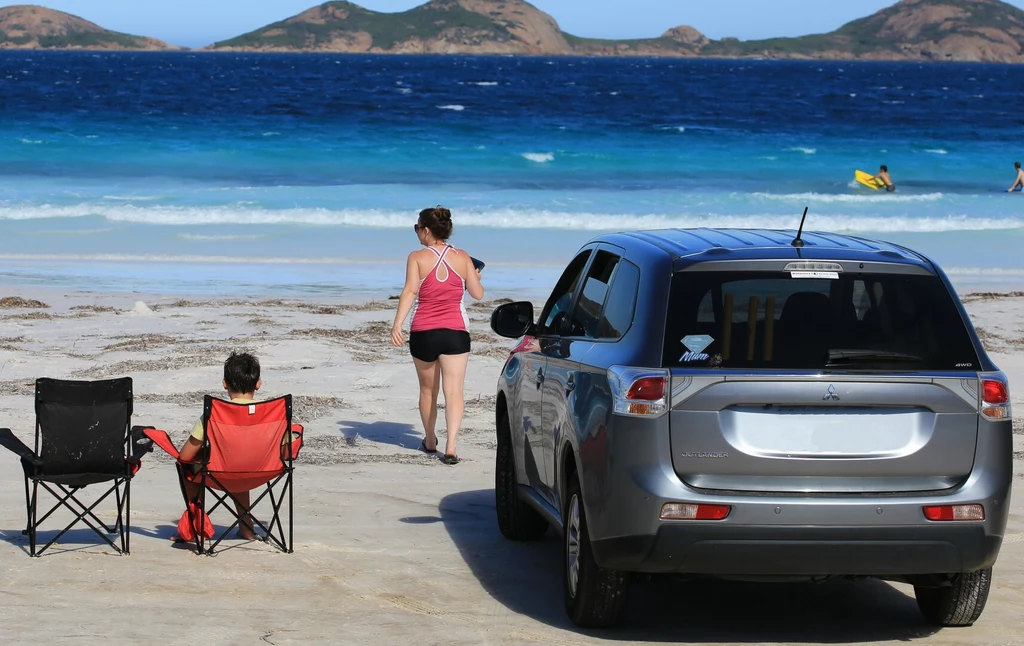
[{"x": 302, "y": 174}]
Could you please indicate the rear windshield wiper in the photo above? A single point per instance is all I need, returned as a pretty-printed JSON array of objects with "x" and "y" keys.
[{"x": 858, "y": 355}]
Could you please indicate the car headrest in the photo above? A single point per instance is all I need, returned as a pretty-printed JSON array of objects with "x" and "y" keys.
[{"x": 805, "y": 310}]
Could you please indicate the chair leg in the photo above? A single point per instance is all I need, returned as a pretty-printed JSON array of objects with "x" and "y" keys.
[
  {"x": 32, "y": 519},
  {"x": 275, "y": 520},
  {"x": 291, "y": 537},
  {"x": 274, "y": 528},
  {"x": 126, "y": 526},
  {"x": 82, "y": 513},
  {"x": 117, "y": 522},
  {"x": 200, "y": 536},
  {"x": 28, "y": 509}
]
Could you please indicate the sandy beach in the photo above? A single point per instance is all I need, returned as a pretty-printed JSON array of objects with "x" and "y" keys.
[{"x": 391, "y": 546}]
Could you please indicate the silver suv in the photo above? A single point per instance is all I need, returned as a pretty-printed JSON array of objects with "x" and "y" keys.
[{"x": 756, "y": 405}]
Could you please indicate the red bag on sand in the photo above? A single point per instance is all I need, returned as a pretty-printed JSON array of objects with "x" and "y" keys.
[{"x": 187, "y": 530}]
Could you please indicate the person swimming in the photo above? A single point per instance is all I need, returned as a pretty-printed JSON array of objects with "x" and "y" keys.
[
  {"x": 883, "y": 174},
  {"x": 1018, "y": 184}
]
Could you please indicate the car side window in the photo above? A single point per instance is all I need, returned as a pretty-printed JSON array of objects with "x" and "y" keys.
[
  {"x": 560, "y": 300},
  {"x": 586, "y": 318},
  {"x": 620, "y": 306}
]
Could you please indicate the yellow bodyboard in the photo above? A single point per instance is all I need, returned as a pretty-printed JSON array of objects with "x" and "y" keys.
[{"x": 866, "y": 180}]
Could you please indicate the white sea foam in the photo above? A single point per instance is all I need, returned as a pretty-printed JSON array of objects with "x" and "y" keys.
[
  {"x": 841, "y": 198},
  {"x": 803, "y": 149},
  {"x": 218, "y": 238},
  {"x": 486, "y": 83},
  {"x": 984, "y": 271},
  {"x": 404, "y": 90},
  {"x": 185, "y": 258},
  {"x": 504, "y": 218},
  {"x": 540, "y": 158},
  {"x": 937, "y": 151},
  {"x": 132, "y": 198},
  {"x": 31, "y": 142},
  {"x": 456, "y": 107}
]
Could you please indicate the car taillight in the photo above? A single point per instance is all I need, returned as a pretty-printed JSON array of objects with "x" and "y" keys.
[
  {"x": 647, "y": 389},
  {"x": 639, "y": 392},
  {"x": 995, "y": 399},
  {"x": 955, "y": 512},
  {"x": 688, "y": 511}
]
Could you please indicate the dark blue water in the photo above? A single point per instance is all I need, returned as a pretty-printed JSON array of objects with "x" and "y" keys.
[{"x": 166, "y": 156}]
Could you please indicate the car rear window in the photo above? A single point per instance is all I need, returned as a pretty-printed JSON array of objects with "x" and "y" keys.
[{"x": 770, "y": 320}]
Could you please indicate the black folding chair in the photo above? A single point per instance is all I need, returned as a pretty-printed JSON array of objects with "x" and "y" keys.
[{"x": 83, "y": 438}]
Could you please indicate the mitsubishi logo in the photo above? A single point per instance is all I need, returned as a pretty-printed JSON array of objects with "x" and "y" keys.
[{"x": 831, "y": 394}]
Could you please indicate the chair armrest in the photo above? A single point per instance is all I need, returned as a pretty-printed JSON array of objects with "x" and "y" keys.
[
  {"x": 296, "y": 443},
  {"x": 141, "y": 443},
  {"x": 9, "y": 441},
  {"x": 161, "y": 439}
]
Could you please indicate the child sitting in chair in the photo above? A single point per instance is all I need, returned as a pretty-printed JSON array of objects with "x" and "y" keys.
[{"x": 241, "y": 380}]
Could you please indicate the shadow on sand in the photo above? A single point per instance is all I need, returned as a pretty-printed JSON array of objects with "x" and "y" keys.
[
  {"x": 83, "y": 539},
  {"x": 402, "y": 435},
  {"x": 526, "y": 578}
]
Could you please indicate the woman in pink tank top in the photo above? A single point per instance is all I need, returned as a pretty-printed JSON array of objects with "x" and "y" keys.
[{"x": 436, "y": 280}]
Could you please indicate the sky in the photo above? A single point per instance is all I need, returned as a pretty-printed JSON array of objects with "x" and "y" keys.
[{"x": 196, "y": 23}]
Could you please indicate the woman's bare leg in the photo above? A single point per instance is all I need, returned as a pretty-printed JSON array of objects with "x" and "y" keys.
[
  {"x": 430, "y": 383},
  {"x": 453, "y": 381}
]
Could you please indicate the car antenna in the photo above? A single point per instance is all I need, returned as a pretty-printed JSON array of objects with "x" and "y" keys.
[{"x": 797, "y": 242}]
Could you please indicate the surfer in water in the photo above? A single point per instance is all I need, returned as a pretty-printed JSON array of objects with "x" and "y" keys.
[
  {"x": 883, "y": 174},
  {"x": 1018, "y": 184}
]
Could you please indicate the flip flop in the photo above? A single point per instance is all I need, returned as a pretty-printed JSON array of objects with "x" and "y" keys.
[
  {"x": 450, "y": 459},
  {"x": 423, "y": 447}
]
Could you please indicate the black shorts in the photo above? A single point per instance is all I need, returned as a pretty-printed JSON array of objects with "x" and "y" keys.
[{"x": 428, "y": 345}]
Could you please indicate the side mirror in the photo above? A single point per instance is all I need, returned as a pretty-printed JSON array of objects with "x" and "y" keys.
[{"x": 512, "y": 320}]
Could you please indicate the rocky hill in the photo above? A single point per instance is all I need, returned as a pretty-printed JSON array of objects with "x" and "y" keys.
[
  {"x": 947, "y": 30},
  {"x": 437, "y": 27},
  {"x": 911, "y": 30},
  {"x": 34, "y": 27}
]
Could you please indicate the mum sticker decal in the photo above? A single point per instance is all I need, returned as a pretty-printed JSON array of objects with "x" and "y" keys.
[{"x": 696, "y": 344}]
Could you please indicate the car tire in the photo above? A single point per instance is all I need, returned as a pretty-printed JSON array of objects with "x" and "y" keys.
[
  {"x": 594, "y": 596},
  {"x": 517, "y": 521},
  {"x": 957, "y": 604}
]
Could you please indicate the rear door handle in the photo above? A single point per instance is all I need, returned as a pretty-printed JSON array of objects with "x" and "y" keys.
[{"x": 540, "y": 377}]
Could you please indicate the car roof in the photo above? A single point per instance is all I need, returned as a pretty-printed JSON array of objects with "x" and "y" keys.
[{"x": 697, "y": 245}]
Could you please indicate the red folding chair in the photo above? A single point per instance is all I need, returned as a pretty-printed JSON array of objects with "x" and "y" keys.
[{"x": 245, "y": 446}]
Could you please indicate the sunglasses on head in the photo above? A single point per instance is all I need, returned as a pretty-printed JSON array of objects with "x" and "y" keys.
[{"x": 416, "y": 228}]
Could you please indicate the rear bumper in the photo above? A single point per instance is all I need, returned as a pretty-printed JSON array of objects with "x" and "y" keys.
[
  {"x": 802, "y": 551},
  {"x": 788, "y": 535}
]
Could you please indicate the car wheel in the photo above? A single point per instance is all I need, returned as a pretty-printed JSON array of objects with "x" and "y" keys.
[
  {"x": 516, "y": 519},
  {"x": 958, "y": 603},
  {"x": 594, "y": 596}
]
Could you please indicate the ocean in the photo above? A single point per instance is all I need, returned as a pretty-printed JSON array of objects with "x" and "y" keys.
[{"x": 301, "y": 174}]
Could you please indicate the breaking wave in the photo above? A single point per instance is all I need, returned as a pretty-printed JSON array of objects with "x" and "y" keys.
[{"x": 497, "y": 218}]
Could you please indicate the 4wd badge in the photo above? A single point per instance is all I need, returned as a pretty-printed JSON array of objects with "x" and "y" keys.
[{"x": 696, "y": 344}]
